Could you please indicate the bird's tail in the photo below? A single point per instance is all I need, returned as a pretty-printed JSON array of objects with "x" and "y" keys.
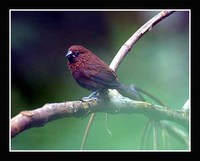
[
  {"x": 136, "y": 93},
  {"x": 148, "y": 94}
]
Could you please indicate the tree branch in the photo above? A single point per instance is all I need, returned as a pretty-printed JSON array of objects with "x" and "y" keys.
[
  {"x": 116, "y": 104},
  {"x": 136, "y": 36},
  {"x": 47, "y": 113}
]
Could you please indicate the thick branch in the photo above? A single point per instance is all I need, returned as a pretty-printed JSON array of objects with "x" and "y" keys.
[
  {"x": 117, "y": 105},
  {"x": 120, "y": 104},
  {"x": 49, "y": 112}
]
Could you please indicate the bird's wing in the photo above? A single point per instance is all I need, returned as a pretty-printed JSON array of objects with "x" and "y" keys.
[{"x": 101, "y": 74}]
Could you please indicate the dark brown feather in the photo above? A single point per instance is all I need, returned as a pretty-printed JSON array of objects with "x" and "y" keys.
[{"x": 92, "y": 73}]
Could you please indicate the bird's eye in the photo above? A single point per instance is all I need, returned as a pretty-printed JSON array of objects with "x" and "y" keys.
[
  {"x": 72, "y": 55},
  {"x": 76, "y": 53}
]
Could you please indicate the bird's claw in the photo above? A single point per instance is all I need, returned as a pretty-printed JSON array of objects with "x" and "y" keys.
[
  {"x": 87, "y": 99},
  {"x": 91, "y": 97}
]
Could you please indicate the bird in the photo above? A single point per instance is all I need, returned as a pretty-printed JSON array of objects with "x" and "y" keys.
[{"x": 94, "y": 74}]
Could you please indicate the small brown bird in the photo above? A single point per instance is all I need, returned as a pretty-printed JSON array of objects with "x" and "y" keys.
[{"x": 92, "y": 73}]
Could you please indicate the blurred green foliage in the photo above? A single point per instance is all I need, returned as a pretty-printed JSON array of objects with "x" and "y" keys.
[{"x": 158, "y": 63}]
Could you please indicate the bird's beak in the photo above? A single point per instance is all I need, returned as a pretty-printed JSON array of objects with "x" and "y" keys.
[{"x": 68, "y": 53}]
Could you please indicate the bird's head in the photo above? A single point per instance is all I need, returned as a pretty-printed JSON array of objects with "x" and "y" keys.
[{"x": 76, "y": 52}]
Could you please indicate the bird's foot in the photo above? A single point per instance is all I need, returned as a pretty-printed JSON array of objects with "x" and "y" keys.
[
  {"x": 87, "y": 99},
  {"x": 91, "y": 97}
]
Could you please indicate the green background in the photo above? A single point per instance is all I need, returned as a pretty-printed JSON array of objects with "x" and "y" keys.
[{"x": 158, "y": 63}]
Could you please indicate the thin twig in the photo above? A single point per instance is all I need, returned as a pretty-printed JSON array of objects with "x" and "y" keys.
[
  {"x": 163, "y": 136},
  {"x": 145, "y": 134},
  {"x": 106, "y": 124},
  {"x": 186, "y": 106},
  {"x": 87, "y": 130},
  {"x": 155, "y": 135},
  {"x": 136, "y": 36},
  {"x": 176, "y": 132}
]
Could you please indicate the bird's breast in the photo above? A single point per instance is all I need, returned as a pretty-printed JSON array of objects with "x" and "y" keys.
[{"x": 74, "y": 67}]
